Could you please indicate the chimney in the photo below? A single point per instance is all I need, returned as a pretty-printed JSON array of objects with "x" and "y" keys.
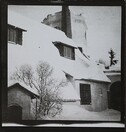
[{"x": 66, "y": 21}]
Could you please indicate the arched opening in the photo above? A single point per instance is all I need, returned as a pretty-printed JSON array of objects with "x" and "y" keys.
[
  {"x": 115, "y": 96},
  {"x": 14, "y": 113}
]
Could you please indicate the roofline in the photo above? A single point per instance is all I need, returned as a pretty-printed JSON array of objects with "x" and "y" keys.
[
  {"x": 55, "y": 43},
  {"x": 113, "y": 74},
  {"x": 17, "y": 27},
  {"x": 24, "y": 89},
  {"x": 94, "y": 80},
  {"x": 112, "y": 71}
]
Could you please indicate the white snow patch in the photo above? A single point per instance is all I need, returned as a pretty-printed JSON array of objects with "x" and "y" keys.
[
  {"x": 33, "y": 90},
  {"x": 75, "y": 111},
  {"x": 69, "y": 93},
  {"x": 116, "y": 67}
]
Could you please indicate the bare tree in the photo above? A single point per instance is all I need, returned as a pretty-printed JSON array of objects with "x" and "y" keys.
[{"x": 49, "y": 102}]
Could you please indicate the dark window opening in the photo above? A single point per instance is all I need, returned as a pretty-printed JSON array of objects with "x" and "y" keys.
[
  {"x": 68, "y": 52},
  {"x": 65, "y": 51},
  {"x": 85, "y": 94},
  {"x": 15, "y": 34}
]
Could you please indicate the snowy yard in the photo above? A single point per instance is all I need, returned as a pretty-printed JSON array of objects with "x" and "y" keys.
[{"x": 77, "y": 112}]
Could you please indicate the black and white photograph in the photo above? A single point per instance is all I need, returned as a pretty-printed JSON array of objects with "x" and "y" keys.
[{"x": 64, "y": 63}]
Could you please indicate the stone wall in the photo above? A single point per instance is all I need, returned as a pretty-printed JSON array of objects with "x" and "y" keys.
[
  {"x": 99, "y": 99},
  {"x": 18, "y": 96},
  {"x": 54, "y": 20}
]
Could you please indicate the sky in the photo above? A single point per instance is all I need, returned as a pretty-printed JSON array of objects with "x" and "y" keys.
[{"x": 103, "y": 22}]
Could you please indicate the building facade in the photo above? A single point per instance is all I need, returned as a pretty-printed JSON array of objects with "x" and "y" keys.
[
  {"x": 87, "y": 83},
  {"x": 19, "y": 102}
]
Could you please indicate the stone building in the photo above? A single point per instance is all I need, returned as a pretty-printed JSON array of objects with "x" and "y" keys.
[
  {"x": 19, "y": 102},
  {"x": 93, "y": 92},
  {"x": 87, "y": 83}
]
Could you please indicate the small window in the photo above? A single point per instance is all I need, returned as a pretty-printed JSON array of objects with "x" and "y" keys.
[
  {"x": 11, "y": 34},
  {"x": 15, "y": 34},
  {"x": 68, "y": 52},
  {"x": 65, "y": 51},
  {"x": 85, "y": 94}
]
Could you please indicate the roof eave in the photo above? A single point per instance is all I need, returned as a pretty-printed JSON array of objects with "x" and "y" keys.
[
  {"x": 33, "y": 95},
  {"x": 94, "y": 80}
]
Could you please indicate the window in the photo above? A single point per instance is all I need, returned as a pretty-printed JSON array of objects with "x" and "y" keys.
[
  {"x": 69, "y": 52},
  {"x": 65, "y": 51},
  {"x": 11, "y": 34},
  {"x": 15, "y": 34},
  {"x": 85, "y": 94}
]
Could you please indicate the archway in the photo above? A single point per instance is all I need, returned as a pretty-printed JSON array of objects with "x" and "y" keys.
[
  {"x": 14, "y": 113},
  {"x": 115, "y": 96}
]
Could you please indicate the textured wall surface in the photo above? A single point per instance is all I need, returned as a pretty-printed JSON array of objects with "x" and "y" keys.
[
  {"x": 79, "y": 28},
  {"x": 99, "y": 100},
  {"x": 54, "y": 20},
  {"x": 20, "y": 97}
]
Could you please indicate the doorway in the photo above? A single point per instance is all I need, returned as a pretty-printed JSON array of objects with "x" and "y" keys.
[
  {"x": 115, "y": 96},
  {"x": 14, "y": 113}
]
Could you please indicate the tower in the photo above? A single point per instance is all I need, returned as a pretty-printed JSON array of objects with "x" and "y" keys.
[
  {"x": 72, "y": 25},
  {"x": 79, "y": 31}
]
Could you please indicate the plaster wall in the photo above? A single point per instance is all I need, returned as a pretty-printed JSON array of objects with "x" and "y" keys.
[
  {"x": 78, "y": 28},
  {"x": 99, "y": 99},
  {"x": 20, "y": 97}
]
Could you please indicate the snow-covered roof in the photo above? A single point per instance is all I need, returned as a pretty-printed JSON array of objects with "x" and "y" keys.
[
  {"x": 114, "y": 68},
  {"x": 29, "y": 89},
  {"x": 113, "y": 74},
  {"x": 69, "y": 93},
  {"x": 37, "y": 46},
  {"x": 82, "y": 68},
  {"x": 69, "y": 43}
]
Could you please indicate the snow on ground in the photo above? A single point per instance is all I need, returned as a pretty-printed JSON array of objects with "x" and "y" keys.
[{"x": 78, "y": 112}]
